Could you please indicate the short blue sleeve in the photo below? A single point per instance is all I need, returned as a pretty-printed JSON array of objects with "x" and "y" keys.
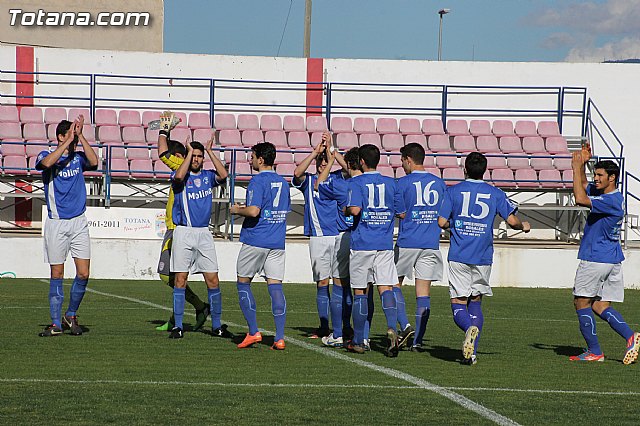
[
  {"x": 399, "y": 203},
  {"x": 302, "y": 186},
  {"x": 255, "y": 194},
  {"x": 504, "y": 205},
  {"x": 447, "y": 205},
  {"x": 354, "y": 197}
]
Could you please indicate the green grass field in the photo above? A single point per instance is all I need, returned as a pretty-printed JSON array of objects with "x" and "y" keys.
[{"x": 123, "y": 371}]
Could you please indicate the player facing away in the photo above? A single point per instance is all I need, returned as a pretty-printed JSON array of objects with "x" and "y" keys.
[
  {"x": 172, "y": 154},
  {"x": 321, "y": 226},
  {"x": 419, "y": 197},
  {"x": 598, "y": 280},
  {"x": 263, "y": 240},
  {"x": 341, "y": 298},
  {"x": 469, "y": 209},
  {"x": 371, "y": 202},
  {"x": 66, "y": 229},
  {"x": 193, "y": 247}
]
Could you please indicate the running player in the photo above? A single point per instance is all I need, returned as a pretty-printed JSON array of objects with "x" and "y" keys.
[
  {"x": 66, "y": 229},
  {"x": 263, "y": 240},
  {"x": 419, "y": 196},
  {"x": 599, "y": 279},
  {"x": 469, "y": 209},
  {"x": 193, "y": 247}
]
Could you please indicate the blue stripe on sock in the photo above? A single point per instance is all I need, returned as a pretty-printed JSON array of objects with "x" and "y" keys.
[
  {"x": 248, "y": 306},
  {"x": 56, "y": 297},
  {"x": 278, "y": 309},
  {"x": 78, "y": 290},
  {"x": 178, "y": 305},
  {"x": 215, "y": 303}
]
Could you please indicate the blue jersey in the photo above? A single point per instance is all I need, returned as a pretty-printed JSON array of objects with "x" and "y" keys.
[
  {"x": 601, "y": 239},
  {"x": 193, "y": 198},
  {"x": 338, "y": 191},
  {"x": 471, "y": 206},
  {"x": 270, "y": 193},
  {"x": 373, "y": 227},
  {"x": 64, "y": 187},
  {"x": 419, "y": 195},
  {"x": 320, "y": 214}
]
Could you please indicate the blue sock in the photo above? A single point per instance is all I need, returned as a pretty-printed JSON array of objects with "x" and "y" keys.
[
  {"x": 588, "y": 330},
  {"x": 347, "y": 306},
  {"x": 56, "y": 296},
  {"x": 477, "y": 319},
  {"x": 278, "y": 308},
  {"x": 423, "y": 309},
  {"x": 370, "y": 310},
  {"x": 403, "y": 320},
  {"x": 248, "y": 306},
  {"x": 178, "y": 305},
  {"x": 390, "y": 308},
  {"x": 78, "y": 289},
  {"x": 336, "y": 310},
  {"x": 616, "y": 322},
  {"x": 461, "y": 316},
  {"x": 322, "y": 301},
  {"x": 360, "y": 312},
  {"x": 215, "y": 303}
]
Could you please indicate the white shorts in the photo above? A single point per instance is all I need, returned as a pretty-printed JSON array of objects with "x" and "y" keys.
[
  {"x": 257, "y": 260},
  {"x": 599, "y": 280},
  {"x": 321, "y": 252},
  {"x": 193, "y": 249},
  {"x": 427, "y": 263},
  {"x": 341, "y": 254},
  {"x": 372, "y": 265},
  {"x": 62, "y": 236},
  {"x": 469, "y": 280}
]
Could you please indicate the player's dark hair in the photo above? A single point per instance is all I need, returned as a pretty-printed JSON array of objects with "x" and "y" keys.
[
  {"x": 415, "y": 151},
  {"x": 608, "y": 166},
  {"x": 352, "y": 158},
  {"x": 370, "y": 154},
  {"x": 197, "y": 145},
  {"x": 175, "y": 147},
  {"x": 475, "y": 165},
  {"x": 63, "y": 127},
  {"x": 266, "y": 151}
]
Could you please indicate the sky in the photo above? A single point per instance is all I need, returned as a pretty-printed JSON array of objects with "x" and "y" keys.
[{"x": 480, "y": 30}]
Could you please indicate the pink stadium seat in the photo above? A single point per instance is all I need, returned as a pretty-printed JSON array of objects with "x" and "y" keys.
[
  {"x": 503, "y": 178},
  {"x": 207, "y": 164},
  {"x": 8, "y": 114},
  {"x": 31, "y": 115},
  {"x": 148, "y": 116},
  {"x": 567, "y": 178},
  {"x": 453, "y": 175},
  {"x": 562, "y": 163},
  {"x": 457, "y": 127},
  {"x": 161, "y": 170},
  {"x": 89, "y": 133},
  {"x": 410, "y": 126},
  {"x": 346, "y": 141},
  {"x": 527, "y": 178},
  {"x": 55, "y": 115},
  {"x": 515, "y": 163},
  {"x": 36, "y": 147},
  {"x": 495, "y": 160},
  {"x": 293, "y": 123},
  {"x": 370, "y": 138},
  {"x": 248, "y": 122},
  {"x": 364, "y": 125},
  {"x": 434, "y": 171},
  {"x": 419, "y": 139},
  {"x": 392, "y": 142},
  {"x": 399, "y": 172},
  {"x": 152, "y": 136},
  {"x": 51, "y": 133},
  {"x": 464, "y": 144},
  {"x": 129, "y": 118},
  {"x": 12, "y": 147},
  {"x": 386, "y": 171},
  {"x": 447, "y": 160},
  {"x": 316, "y": 123},
  {"x": 252, "y": 137},
  {"x": 225, "y": 122},
  {"x": 298, "y": 157},
  {"x": 387, "y": 125},
  {"x": 429, "y": 159},
  {"x": 243, "y": 171},
  {"x": 480, "y": 128},
  {"x": 10, "y": 131},
  {"x": 133, "y": 135},
  {"x": 395, "y": 160},
  {"x": 32, "y": 165},
  {"x": 33, "y": 131},
  {"x": 269, "y": 122},
  {"x": 541, "y": 163},
  {"x": 510, "y": 145},
  {"x": 229, "y": 137},
  {"x": 487, "y": 144},
  {"x": 119, "y": 167},
  {"x": 202, "y": 135},
  {"x": 15, "y": 165},
  {"x": 105, "y": 117},
  {"x": 503, "y": 128},
  {"x": 526, "y": 128},
  {"x": 557, "y": 145},
  {"x": 432, "y": 126},
  {"x": 276, "y": 137},
  {"x": 316, "y": 138},
  {"x": 183, "y": 119},
  {"x": 181, "y": 134},
  {"x": 532, "y": 144},
  {"x": 548, "y": 129},
  {"x": 138, "y": 151},
  {"x": 550, "y": 178},
  {"x": 199, "y": 120},
  {"x": 108, "y": 134},
  {"x": 113, "y": 150},
  {"x": 74, "y": 113},
  {"x": 341, "y": 125},
  {"x": 439, "y": 143},
  {"x": 285, "y": 169},
  {"x": 241, "y": 156},
  {"x": 487, "y": 177},
  {"x": 299, "y": 140},
  {"x": 154, "y": 154},
  {"x": 142, "y": 169}
]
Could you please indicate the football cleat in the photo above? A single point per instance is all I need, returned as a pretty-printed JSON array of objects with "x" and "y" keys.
[
  {"x": 586, "y": 356},
  {"x": 70, "y": 322},
  {"x": 417, "y": 347},
  {"x": 405, "y": 335},
  {"x": 221, "y": 331},
  {"x": 51, "y": 330},
  {"x": 355, "y": 348},
  {"x": 176, "y": 333},
  {"x": 367, "y": 346},
  {"x": 471, "y": 361},
  {"x": 319, "y": 333},
  {"x": 392, "y": 349},
  {"x": 201, "y": 317},
  {"x": 167, "y": 326},
  {"x": 250, "y": 340},
  {"x": 633, "y": 345},
  {"x": 469, "y": 341},
  {"x": 278, "y": 346},
  {"x": 332, "y": 342}
]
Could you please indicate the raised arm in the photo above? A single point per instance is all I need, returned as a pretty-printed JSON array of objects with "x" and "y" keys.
[
  {"x": 166, "y": 119},
  {"x": 327, "y": 170},
  {"x": 53, "y": 157},
  {"x": 92, "y": 158},
  {"x": 579, "y": 185},
  {"x": 184, "y": 167},
  {"x": 220, "y": 169},
  {"x": 299, "y": 172}
]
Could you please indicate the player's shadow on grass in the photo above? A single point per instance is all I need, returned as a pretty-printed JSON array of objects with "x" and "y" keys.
[
  {"x": 560, "y": 350},
  {"x": 83, "y": 327},
  {"x": 306, "y": 331}
]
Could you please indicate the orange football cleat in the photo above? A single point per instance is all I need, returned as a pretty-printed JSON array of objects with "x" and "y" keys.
[
  {"x": 250, "y": 340},
  {"x": 279, "y": 345}
]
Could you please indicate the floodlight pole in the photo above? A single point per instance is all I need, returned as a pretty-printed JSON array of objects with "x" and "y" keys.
[
  {"x": 441, "y": 12},
  {"x": 307, "y": 28}
]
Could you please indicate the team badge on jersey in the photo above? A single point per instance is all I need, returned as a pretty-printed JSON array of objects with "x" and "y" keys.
[{"x": 197, "y": 182}]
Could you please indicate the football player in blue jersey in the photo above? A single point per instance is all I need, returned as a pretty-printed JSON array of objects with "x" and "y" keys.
[
  {"x": 419, "y": 196},
  {"x": 469, "y": 210},
  {"x": 193, "y": 247},
  {"x": 371, "y": 202},
  {"x": 66, "y": 228},
  {"x": 263, "y": 241},
  {"x": 598, "y": 280},
  {"x": 320, "y": 225}
]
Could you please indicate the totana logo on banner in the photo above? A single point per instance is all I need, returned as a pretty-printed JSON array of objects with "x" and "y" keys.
[{"x": 161, "y": 226}]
